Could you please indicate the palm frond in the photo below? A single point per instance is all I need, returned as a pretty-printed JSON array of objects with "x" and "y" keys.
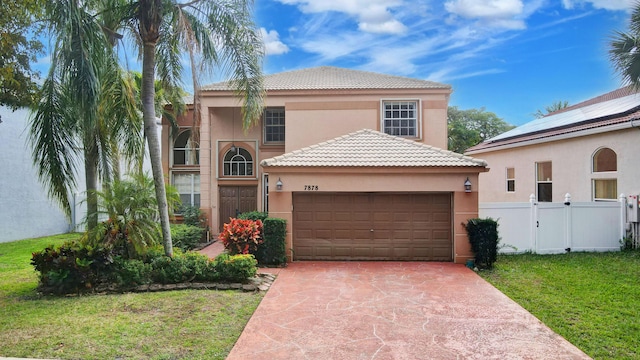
[
  {"x": 54, "y": 144},
  {"x": 241, "y": 52}
]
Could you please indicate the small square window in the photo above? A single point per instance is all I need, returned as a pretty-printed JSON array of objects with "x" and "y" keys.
[
  {"x": 605, "y": 189},
  {"x": 400, "y": 118}
]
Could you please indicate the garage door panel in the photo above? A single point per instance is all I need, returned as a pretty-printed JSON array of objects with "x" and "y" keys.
[
  {"x": 364, "y": 234},
  {"x": 405, "y": 226},
  {"x": 325, "y": 251},
  {"x": 381, "y": 235}
]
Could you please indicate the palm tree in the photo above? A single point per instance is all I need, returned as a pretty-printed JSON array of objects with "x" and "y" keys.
[
  {"x": 132, "y": 211},
  {"x": 220, "y": 32},
  {"x": 555, "y": 106},
  {"x": 624, "y": 50},
  {"x": 86, "y": 107}
]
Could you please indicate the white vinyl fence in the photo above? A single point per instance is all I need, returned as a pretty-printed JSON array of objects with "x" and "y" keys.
[{"x": 553, "y": 228}]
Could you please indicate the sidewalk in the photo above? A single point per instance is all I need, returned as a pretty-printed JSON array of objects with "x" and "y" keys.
[{"x": 213, "y": 249}]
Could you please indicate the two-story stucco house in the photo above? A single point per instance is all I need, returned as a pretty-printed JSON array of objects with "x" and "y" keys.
[
  {"x": 589, "y": 150},
  {"x": 352, "y": 160}
]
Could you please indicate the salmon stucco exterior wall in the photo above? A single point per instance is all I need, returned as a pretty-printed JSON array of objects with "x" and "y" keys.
[{"x": 571, "y": 161}]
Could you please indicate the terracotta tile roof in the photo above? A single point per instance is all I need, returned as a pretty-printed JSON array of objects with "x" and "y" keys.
[
  {"x": 616, "y": 107},
  {"x": 332, "y": 78},
  {"x": 370, "y": 148}
]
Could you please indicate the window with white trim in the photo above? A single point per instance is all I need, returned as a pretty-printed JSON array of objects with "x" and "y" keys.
[
  {"x": 604, "y": 165},
  {"x": 237, "y": 162},
  {"x": 188, "y": 186},
  {"x": 185, "y": 151},
  {"x": 400, "y": 118},
  {"x": 544, "y": 181},
  {"x": 273, "y": 126},
  {"x": 511, "y": 179}
]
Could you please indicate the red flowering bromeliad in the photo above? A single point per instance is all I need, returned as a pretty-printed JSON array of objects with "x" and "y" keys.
[{"x": 241, "y": 236}]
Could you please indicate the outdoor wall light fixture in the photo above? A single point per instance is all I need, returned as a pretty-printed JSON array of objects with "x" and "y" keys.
[
  {"x": 467, "y": 186},
  {"x": 233, "y": 148},
  {"x": 279, "y": 185}
]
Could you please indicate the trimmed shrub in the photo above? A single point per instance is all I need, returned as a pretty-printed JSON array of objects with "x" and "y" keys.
[
  {"x": 182, "y": 267},
  {"x": 236, "y": 268},
  {"x": 72, "y": 267},
  {"x": 130, "y": 272},
  {"x": 272, "y": 251},
  {"x": 192, "y": 215},
  {"x": 254, "y": 215},
  {"x": 483, "y": 235},
  {"x": 186, "y": 237},
  {"x": 241, "y": 236}
]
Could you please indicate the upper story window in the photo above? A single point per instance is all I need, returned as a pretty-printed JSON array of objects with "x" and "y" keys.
[
  {"x": 604, "y": 160},
  {"x": 185, "y": 151},
  {"x": 605, "y": 186},
  {"x": 237, "y": 162},
  {"x": 273, "y": 126},
  {"x": 511, "y": 179},
  {"x": 544, "y": 184},
  {"x": 400, "y": 118}
]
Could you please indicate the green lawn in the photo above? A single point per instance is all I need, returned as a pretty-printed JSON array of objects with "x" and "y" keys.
[
  {"x": 189, "y": 324},
  {"x": 591, "y": 299}
]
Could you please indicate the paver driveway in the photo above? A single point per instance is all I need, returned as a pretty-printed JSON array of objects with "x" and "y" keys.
[{"x": 393, "y": 310}]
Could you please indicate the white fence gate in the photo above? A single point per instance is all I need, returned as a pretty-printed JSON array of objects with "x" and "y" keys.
[{"x": 553, "y": 228}]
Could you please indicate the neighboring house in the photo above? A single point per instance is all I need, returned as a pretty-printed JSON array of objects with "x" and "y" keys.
[
  {"x": 589, "y": 150},
  {"x": 25, "y": 209},
  {"x": 351, "y": 159}
]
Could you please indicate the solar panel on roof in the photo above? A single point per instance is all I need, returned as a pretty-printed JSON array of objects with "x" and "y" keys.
[{"x": 590, "y": 112}]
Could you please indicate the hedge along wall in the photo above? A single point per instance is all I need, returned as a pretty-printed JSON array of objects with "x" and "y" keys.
[
  {"x": 483, "y": 235},
  {"x": 272, "y": 250}
]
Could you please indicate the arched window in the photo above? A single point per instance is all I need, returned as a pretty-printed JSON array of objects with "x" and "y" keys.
[
  {"x": 185, "y": 152},
  {"x": 605, "y": 159},
  {"x": 237, "y": 162},
  {"x": 605, "y": 186}
]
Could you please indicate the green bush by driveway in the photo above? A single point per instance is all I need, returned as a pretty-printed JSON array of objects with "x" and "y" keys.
[{"x": 591, "y": 299}]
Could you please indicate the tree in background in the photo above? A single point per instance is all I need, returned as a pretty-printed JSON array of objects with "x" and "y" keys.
[
  {"x": 623, "y": 50},
  {"x": 555, "y": 106},
  {"x": 468, "y": 128},
  {"x": 17, "y": 50}
]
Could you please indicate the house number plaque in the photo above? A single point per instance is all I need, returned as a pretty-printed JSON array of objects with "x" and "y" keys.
[{"x": 311, "y": 187}]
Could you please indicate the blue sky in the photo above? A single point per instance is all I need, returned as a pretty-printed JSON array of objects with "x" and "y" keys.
[{"x": 511, "y": 57}]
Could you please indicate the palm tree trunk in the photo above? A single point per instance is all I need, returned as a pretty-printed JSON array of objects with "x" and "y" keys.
[
  {"x": 91, "y": 177},
  {"x": 150, "y": 132}
]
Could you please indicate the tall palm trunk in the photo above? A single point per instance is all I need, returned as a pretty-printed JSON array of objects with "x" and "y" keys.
[
  {"x": 91, "y": 177},
  {"x": 150, "y": 132}
]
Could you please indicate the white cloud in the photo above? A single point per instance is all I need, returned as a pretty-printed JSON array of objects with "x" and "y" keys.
[
  {"x": 601, "y": 4},
  {"x": 373, "y": 16},
  {"x": 485, "y": 9},
  {"x": 504, "y": 14},
  {"x": 272, "y": 43}
]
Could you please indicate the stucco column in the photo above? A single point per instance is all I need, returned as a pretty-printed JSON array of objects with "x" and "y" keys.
[
  {"x": 280, "y": 207},
  {"x": 465, "y": 207}
]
